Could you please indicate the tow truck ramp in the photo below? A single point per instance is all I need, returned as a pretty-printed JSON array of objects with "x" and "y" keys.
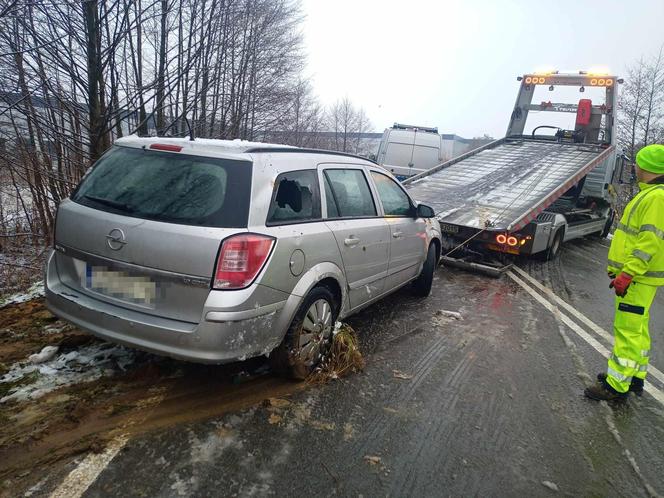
[{"x": 505, "y": 185}]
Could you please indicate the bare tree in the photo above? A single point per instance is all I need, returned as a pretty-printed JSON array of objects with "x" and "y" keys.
[
  {"x": 347, "y": 124},
  {"x": 641, "y": 104},
  {"x": 640, "y": 112},
  {"x": 654, "y": 98},
  {"x": 73, "y": 77}
]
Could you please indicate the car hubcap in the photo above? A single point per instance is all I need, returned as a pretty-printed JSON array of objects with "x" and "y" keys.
[{"x": 316, "y": 331}]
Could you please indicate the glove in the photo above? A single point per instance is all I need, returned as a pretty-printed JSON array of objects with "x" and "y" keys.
[{"x": 621, "y": 283}]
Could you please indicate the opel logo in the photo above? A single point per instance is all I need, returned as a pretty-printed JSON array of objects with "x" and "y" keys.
[{"x": 116, "y": 239}]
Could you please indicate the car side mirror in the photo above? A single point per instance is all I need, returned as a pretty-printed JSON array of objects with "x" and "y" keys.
[{"x": 424, "y": 211}]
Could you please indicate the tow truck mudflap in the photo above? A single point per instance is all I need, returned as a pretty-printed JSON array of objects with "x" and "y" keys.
[{"x": 491, "y": 269}]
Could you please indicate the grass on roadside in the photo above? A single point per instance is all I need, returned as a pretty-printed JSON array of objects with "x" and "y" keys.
[{"x": 343, "y": 358}]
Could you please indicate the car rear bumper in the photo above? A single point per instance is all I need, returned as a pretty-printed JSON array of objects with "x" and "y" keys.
[{"x": 220, "y": 337}]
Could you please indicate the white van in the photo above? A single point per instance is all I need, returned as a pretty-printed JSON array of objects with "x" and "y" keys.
[{"x": 406, "y": 150}]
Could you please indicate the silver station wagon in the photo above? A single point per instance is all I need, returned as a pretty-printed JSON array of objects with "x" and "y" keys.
[{"x": 215, "y": 251}]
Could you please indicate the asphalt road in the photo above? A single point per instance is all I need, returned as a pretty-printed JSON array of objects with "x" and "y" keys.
[{"x": 489, "y": 405}]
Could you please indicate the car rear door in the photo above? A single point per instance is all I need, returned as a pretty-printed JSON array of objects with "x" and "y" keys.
[
  {"x": 407, "y": 233},
  {"x": 363, "y": 237}
]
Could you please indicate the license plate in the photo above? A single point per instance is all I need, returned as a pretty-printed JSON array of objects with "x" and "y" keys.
[
  {"x": 509, "y": 250},
  {"x": 448, "y": 228},
  {"x": 121, "y": 285}
]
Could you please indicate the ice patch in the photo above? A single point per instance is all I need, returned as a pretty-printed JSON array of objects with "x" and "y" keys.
[
  {"x": 36, "y": 488},
  {"x": 86, "y": 364},
  {"x": 44, "y": 355},
  {"x": 449, "y": 314},
  {"x": 36, "y": 290}
]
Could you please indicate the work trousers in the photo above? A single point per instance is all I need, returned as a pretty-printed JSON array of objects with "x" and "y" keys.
[{"x": 631, "y": 348}]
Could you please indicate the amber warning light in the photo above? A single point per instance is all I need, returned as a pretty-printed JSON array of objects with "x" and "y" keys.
[
  {"x": 601, "y": 82},
  {"x": 544, "y": 80}
]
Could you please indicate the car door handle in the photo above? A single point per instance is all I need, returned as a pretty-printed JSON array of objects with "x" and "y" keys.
[
  {"x": 351, "y": 241},
  {"x": 397, "y": 234}
]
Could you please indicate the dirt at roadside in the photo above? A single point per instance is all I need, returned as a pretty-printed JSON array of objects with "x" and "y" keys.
[
  {"x": 26, "y": 328},
  {"x": 41, "y": 435},
  {"x": 90, "y": 392}
]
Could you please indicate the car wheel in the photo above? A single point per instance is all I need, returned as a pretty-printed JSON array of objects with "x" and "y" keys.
[
  {"x": 554, "y": 249},
  {"x": 309, "y": 337},
  {"x": 422, "y": 284}
]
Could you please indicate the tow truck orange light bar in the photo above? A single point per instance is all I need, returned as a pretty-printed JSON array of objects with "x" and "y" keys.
[
  {"x": 543, "y": 80},
  {"x": 601, "y": 82}
]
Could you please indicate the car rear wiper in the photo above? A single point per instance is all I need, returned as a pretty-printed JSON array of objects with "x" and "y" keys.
[{"x": 108, "y": 202}]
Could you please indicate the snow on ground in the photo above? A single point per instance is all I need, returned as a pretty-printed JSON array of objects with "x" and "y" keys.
[
  {"x": 33, "y": 379},
  {"x": 36, "y": 290}
]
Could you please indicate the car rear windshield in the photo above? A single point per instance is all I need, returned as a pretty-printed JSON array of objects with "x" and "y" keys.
[{"x": 169, "y": 187}]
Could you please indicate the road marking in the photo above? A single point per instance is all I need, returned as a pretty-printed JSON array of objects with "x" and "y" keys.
[
  {"x": 596, "y": 328},
  {"x": 583, "y": 318},
  {"x": 80, "y": 479},
  {"x": 650, "y": 389}
]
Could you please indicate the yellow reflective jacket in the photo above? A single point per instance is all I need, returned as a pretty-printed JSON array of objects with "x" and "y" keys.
[{"x": 638, "y": 243}]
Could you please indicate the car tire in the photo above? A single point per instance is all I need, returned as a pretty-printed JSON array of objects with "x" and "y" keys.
[
  {"x": 422, "y": 284},
  {"x": 556, "y": 244},
  {"x": 296, "y": 357}
]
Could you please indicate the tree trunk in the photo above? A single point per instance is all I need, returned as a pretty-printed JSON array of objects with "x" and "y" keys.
[
  {"x": 95, "y": 118},
  {"x": 161, "y": 76}
]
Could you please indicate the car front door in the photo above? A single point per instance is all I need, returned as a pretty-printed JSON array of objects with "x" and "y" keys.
[
  {"x": 363, "y": 237},
  {"x": 407, "y": 233}
]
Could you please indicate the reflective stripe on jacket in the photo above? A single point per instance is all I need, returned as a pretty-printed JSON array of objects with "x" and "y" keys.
[{"x": 637, "y": 247}]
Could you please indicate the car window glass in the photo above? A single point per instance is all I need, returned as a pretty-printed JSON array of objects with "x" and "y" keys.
[
  {"x": 295, "y": 197},
  {"x": 394, "y": 199},
  {"x": 168, "y": 187},
  {"x": 332, "y": 210},
  {"x": 351, "y": 192}
]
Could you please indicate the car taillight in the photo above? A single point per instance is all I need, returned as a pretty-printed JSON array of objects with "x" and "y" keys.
[{"x": 240, "y": 259}]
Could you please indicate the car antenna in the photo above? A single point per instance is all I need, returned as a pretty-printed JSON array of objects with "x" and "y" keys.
[{"x": 191, "y": 130}]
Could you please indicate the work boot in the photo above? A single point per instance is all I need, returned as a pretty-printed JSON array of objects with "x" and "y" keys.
[
  {"x": 636, "y": 385},
  {"x": 602, "y": 391}
]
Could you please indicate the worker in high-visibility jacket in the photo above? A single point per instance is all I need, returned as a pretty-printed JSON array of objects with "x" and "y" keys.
[{"x": 636, "y": 266}]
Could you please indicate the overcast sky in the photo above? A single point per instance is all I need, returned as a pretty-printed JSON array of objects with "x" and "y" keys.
[{"x": 454, "y": 64}]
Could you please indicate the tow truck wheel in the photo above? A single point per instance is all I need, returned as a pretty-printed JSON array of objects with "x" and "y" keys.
[
  {"x": 422, "y": 284},
  {"x": 554, "y": 248},
  {"x": 609, "y": 224}
]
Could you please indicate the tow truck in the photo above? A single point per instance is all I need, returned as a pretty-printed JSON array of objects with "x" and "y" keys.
[{"x": 527, "y": 193}]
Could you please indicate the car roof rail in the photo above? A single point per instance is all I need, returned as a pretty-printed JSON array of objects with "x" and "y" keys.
[
  {"x": 401, "y": 126},
  {"x": 309, "y": 151}
]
